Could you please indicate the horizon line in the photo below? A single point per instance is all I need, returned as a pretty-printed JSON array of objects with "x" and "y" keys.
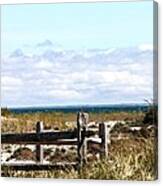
[{"x": 71, "y": 105}]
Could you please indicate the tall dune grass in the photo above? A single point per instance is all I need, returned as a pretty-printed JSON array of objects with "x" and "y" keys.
[
  {"x": 128, "y": 159},
  {"x": 133, "y": 159}
]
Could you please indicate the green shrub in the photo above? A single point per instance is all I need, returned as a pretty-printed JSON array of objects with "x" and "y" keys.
[
  {"x": 5, "y": 112},
  {"x": 151, "y": 116}
]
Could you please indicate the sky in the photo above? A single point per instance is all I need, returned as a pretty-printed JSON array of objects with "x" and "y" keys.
[{"x": 76, "y": 53}]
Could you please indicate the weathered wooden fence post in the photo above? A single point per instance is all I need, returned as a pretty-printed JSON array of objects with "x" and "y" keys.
[
  {"x": 84, "y": 146},
  {"x": 39, "y": 148},
  {"x": 103, "y": 134},
  {"x": 82, "y": 121}
]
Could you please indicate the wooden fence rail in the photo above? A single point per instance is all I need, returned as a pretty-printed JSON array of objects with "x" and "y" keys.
[
  {"x": 79, "y": 137},
  {"x": 40, "y": 166},
  {"x": 61, "y": 137}
]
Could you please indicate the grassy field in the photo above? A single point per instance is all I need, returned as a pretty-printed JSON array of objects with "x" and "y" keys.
[
  {"x": 57, "y": 120},
  {"x": 134, "y": 158}
]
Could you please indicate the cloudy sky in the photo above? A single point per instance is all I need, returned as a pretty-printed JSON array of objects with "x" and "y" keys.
[{"x": 69, "y": 54}]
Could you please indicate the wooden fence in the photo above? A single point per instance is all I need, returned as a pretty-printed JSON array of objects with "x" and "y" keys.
[{"x": 80, "y": 136}]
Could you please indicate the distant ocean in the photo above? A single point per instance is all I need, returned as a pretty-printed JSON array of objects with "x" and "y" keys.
[{"x": 85, "y": 108}]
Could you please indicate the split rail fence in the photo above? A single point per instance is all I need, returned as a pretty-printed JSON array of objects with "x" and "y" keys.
[{"x": 80, "y": 136}]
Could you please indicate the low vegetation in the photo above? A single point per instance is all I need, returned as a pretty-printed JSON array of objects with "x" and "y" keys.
[
  {"x": 5, "y": 112},
  {"x": 133, "y": 158},
  {"x": 128, "y": 160},
  {"x": 58, "y": 121}
]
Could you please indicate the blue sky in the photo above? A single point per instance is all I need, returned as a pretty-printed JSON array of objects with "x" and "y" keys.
[
  {"x": 78, "y": 25},
  {"x": 46, "y": 47}
]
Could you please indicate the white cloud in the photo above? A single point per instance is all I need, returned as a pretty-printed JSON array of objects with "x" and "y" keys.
[
  {"x": 44, "y": 64},
  {"x": 46, "y": 43},
  {"x": 11, "y": 81},
  {"x": 82, "y": 77},
  {"x": 145, "y": 47},
  {"x": 64, "y": 94}
]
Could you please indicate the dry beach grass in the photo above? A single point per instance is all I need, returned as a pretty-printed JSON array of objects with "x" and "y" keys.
[
  {"x": 133, "y": 158},
  {"x": 57, "y": 120}
]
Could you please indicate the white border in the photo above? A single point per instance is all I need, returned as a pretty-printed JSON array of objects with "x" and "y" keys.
[{"x": 59, "y": 182}]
